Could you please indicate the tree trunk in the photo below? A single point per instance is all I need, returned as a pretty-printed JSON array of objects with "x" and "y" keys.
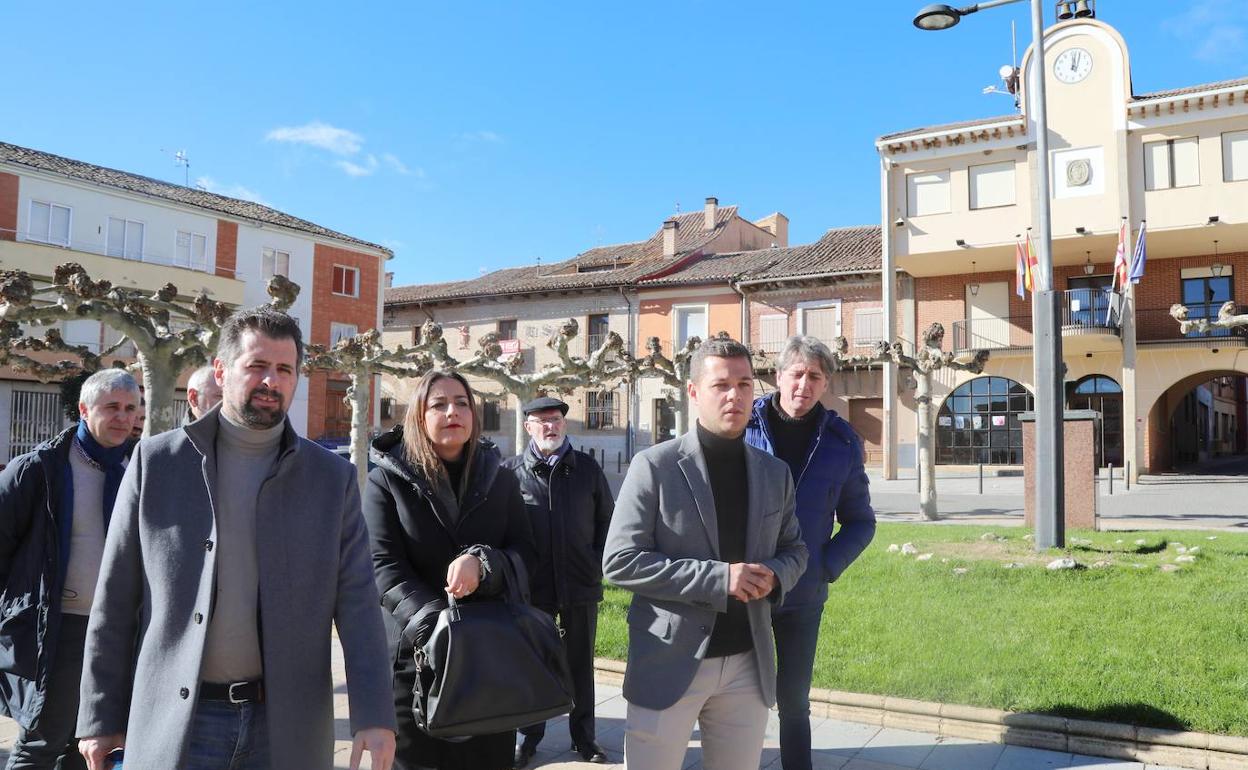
[
  {"x": 361, "y": 396},
  {"x": 521, "y": 435},
  {"x": 680, "y": 421},
  {"x": 160, "y": 383},
  {"x": 927, "y": 457}
]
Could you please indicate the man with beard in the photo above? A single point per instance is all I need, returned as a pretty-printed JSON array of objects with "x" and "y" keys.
[
  {"x": 569, "y": 505},
  {"x": 235, "y": 548}
]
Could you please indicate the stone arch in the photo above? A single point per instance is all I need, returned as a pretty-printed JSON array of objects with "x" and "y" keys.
[{"x": 1157, "y": 438}]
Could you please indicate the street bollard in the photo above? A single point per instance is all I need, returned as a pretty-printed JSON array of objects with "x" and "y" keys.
[
  {"x": 619, "y": 459},
  {"x": 981, "y": 478},
  {"x": 1128, "y": 476},
  {"x": 1111, "y": 478}
]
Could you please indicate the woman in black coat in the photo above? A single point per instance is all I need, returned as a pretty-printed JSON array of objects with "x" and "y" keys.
[{"x": 439, "y": 509}]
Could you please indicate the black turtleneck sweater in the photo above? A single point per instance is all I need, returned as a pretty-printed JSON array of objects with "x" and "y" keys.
[
  {"x": 791, "y": 437},
  {"x": 725, "y": 463}
]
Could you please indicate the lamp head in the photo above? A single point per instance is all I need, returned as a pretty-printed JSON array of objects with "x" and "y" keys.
[{"x": 937, "y": 16}]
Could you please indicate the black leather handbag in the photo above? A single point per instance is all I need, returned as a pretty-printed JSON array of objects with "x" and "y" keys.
[{"x": 491, "y": 665}]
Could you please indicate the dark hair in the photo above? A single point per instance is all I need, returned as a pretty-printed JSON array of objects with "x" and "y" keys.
[
  {"x": 719, "y": 347},
  {"x": 416, "y": 442},
  {"x": 264, "y": 319}
]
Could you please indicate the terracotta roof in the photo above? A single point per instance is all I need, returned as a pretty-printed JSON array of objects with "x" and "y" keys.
[
  {"x": 1190, "y": 89},
  {"x": 189, "y": 196},
  {"x": 840, "y": 250},
  {"x": 625, "y": 264}
]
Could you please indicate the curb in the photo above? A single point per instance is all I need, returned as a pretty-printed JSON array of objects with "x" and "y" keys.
[{"x": 1200, "y": 751}]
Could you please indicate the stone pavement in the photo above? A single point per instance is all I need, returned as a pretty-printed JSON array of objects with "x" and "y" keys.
[{"x": 838, "y": 745}]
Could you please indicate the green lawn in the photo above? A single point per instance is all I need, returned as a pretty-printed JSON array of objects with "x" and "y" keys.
[{"x": 1125, "y": 642}]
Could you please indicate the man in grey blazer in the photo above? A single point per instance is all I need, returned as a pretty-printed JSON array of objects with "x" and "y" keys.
[
  {"x": 235, "y": 548},
  {"x": 704, "y": 535}
]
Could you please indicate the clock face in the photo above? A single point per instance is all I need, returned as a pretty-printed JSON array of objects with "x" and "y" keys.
[{"x": 1073, "y": 65}]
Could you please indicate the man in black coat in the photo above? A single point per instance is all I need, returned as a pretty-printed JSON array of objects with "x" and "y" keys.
[
  {"x": 569, "y": 505},
  {"x": 55, "y": 505}
]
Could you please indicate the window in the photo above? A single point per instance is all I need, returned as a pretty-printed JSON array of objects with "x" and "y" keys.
[
  {"x": 820, "y": 319},
  {"x": 599, "y": 327},
  {"x": 125, "y": 238},
  {"x": 690, "y": 322},
  {"x": 339, "y": 331},
  {"x": 274, "y": 262},
  {"x": 927, "y": 192},
  {"x": 191, "y": 250},
  {"x": 84, "y": 332},
  {"x": 387, "y": 408},
  {"x": 346, "y": 281},
  {"x": 600, "y": 410},
  {"x": 1171, "y": 163},
  {"x": 1235, "y": 156},
  {"x": 49, "y": 223},
  {"x": 773, "y": 331},
  {"x": 1203, "y": 297},
  {"x": 978, "y": 423},
  {"x": 992, "y": 185},
  {"x": 491, "y": 416},
  {"x": 416, "y": 335},
  {"x": 868, "y": 326},
  {"x": 507, "y": 330}
]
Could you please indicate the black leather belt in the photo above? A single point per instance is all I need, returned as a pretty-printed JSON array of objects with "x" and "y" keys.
[{"x": 235, "y": 692}]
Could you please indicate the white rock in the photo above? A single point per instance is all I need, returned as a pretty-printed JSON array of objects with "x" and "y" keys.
[
  {"x": 989, "y": 536},
  {"x": 1194, "y": 549},
  {"x": 1102, "y": 564},
  {"x": 1066, "y": 563},
  {"x": 1029, "y": 536},
  {"x": 894, "y": 548},
  {"x": 1141, "y": 541},
  {"x": 1080, "y": 541},
  {"x": 908, "y": 549},
  {"x": 1181, "y": 549},
  {"x": 1170, "y": 568},
  {"x": 1212, "y": 537},
  {"x": 923, "y": 557},
  {"x": 1014, "y": 565},
  {"x": 944, "y": 561},
  {"x": 1139, "y": 566},
  {"x": 1188, "y": 559},
  {"x": 1118, "y": 541},
  {"x": 960, "y": 570}
]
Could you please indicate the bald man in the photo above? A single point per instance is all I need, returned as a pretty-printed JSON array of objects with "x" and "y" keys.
[{"x": 202, "y": 393}]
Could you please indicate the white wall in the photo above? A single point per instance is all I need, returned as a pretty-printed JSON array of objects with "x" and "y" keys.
[{"x": 92, "y": 207}]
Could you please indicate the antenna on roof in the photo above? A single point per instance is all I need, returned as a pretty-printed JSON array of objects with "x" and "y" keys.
[
  {"x": 539, "y": 266},
  {"x": 1009, "y": 73},
  {"x": 180, "y": 158},
  {"x": 677, "y": 207}
]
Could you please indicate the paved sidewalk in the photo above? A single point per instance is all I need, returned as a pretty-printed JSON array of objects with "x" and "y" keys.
[{"x": 837, "y": 745}]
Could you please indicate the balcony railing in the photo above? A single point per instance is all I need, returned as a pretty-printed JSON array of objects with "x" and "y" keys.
[
  {"x": 992, "y": 333},
  {"x": 1088, "y": 309}
]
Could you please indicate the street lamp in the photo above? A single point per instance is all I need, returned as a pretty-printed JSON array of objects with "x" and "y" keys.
[{"x": 1050, "y": 487}]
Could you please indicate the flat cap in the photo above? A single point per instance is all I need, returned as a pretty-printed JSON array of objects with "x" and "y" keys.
[{"x": 543, "y": 403}]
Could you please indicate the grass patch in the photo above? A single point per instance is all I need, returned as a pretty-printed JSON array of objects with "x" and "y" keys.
[{"x": 1137, "y": 638}]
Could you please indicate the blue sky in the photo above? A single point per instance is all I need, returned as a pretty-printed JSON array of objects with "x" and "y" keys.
[{"x": 477, "y": 135}]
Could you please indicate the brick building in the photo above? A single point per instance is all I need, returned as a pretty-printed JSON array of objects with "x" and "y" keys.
[{"x": 140, "y": 232}]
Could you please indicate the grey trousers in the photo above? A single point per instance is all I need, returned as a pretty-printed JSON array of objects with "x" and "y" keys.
[{"x": 726, "y": 702}]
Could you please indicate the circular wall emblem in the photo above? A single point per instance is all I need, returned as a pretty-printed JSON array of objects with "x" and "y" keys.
[{"x": 1078, "y": 172}]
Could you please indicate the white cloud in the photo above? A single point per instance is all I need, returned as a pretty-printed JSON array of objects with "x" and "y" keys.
[
  {"x": 396, "y": 165},
  {"x": 339, "y": 141},
  {"x": 487, "y": 137},
  {"x": 1216, "y": 30},
  {"x": 354, "y": 169},
  {"x": 230, "y": 191}
]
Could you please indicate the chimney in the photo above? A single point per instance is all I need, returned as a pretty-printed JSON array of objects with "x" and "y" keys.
[
  {"x": 712, "y": 211},
  {"x": 778, "y": 225},
  {"x": 389, "y": 280},
  {"x": 670, "y": 228}
]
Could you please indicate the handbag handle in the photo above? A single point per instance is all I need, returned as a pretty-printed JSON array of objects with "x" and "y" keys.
[{"x": 515, "y": 581}]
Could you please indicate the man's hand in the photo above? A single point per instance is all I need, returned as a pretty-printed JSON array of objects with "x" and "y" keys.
[
  {"x": 378, "y": 742},
  {"x": 97, "y": 748},
  {"x": 747, "y": 582},
  {"x": 463, "y": 575}
]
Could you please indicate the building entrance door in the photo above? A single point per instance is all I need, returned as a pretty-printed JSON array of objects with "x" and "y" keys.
[
  {"x": 664, "y": 421},
  {"x": 337, "y": 413},
  {"x": 1103, "y": 395},
  {"x": 866, "y": 415}
]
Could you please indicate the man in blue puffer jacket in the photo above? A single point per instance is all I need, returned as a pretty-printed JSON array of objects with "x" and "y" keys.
[{"x": 825, "y": 456}]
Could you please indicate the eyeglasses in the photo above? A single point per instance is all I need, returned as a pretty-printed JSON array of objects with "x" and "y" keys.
[{"x": 551, "y": 421}]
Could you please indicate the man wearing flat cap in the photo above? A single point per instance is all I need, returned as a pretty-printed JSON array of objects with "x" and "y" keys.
[{"x": 569, "y": 505}]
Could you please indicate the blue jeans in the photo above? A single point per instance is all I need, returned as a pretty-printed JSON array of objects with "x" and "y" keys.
[
  {"x": 797, "y": 635},
  {"x": 228, "y": 736}
]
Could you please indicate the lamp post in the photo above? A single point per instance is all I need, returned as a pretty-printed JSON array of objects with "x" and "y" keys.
[{"x": 1045, "y": 302}]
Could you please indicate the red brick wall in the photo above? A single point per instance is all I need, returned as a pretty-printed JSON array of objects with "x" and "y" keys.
[
  {"x": 852, "y": 296},
  {"x": 8, "y": 206},
  {"x": 227, "y": 248},
  {"x": 328, "y": 308}
]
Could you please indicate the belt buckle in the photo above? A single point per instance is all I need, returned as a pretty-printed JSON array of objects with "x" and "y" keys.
[{"x": 233, "y": 698}]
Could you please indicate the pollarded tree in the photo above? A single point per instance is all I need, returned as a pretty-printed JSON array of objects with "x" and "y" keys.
[{"x": 169, "y": 336}]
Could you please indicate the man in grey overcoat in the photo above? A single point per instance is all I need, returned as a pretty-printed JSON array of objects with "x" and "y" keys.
[
  {"x": 704, "y": 535},
  {"x": 235, "y": 549}
]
